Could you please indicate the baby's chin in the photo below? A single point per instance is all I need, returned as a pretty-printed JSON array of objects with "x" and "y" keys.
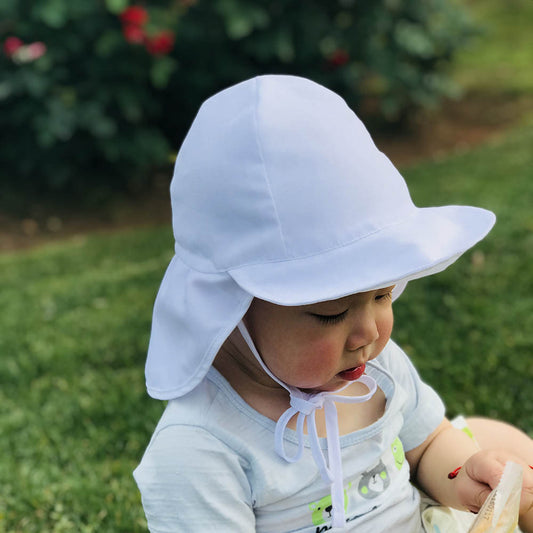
[
  {"x": 328, "y": 387},
  {"x": 335, "y": 384}
]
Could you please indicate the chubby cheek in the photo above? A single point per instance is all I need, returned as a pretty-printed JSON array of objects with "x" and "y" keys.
[
  {"x": 311, "y": 367},
  {"x": 385, "y": 332}
]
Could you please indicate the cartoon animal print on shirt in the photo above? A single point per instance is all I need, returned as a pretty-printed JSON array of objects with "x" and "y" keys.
[
  {"x": 398, "y": 453},
  {"x": 371, "y": 484},
  {"x": 322, "y": 508},
  {"x": 374, "y": 482}
]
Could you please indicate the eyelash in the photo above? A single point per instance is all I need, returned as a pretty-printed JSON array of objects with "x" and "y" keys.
[
  {"x": 384, "y": 296},
  {"x": 331, "y": 319},
  {"x": 334, "y": 319}
]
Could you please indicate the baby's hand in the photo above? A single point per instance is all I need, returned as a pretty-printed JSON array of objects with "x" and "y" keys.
[{"x": 481, "y": 474}]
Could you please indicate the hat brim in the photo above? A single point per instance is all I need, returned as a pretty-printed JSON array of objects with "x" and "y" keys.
[{"x": 423, "y": 244}]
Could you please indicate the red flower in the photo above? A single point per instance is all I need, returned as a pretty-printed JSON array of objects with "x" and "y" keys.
[
  {"x": 133, "y": 34},
  {"x": 36, "y": 50},
  {"x": 338, "y": 58},
  {"x": 161, "y": 43},
  {"x": 134, "y": 15},
  {"x": 11, "y": 45}
]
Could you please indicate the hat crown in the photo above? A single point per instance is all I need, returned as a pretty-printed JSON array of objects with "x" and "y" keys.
[{"x": 279, "y": 168}]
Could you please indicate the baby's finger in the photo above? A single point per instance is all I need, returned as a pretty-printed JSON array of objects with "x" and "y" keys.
[
  {"x": 471, "y": 493},
  {"x": 526, "y": 500},
  {"x": 486, "y": 467}
]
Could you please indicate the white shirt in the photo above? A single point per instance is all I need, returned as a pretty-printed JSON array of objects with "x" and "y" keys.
[{"x": 211, "y": 464}]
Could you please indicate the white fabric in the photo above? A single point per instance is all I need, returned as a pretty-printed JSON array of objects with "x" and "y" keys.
[
  {"x": 211, "y": 465},
  {"x": 280, "y": 193},
  {"x": 305, "y": 405},
  {"x": 182, "y": 344}
]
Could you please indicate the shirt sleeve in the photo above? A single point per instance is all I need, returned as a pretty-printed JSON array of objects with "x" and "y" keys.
[
  {"x": 423, "y": 409},
  {"x": 191, "y": 481}
]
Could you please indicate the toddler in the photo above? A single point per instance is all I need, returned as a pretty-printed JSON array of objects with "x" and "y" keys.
[{"x": 290, "y": 408}]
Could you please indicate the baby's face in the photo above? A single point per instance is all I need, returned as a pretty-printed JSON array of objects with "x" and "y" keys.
[{"x": 316, "y": 346}]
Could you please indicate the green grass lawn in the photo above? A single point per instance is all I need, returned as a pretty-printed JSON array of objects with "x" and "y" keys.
[
  {"x": 499, "y": 58},
  {"x": 74, "y": 415}
]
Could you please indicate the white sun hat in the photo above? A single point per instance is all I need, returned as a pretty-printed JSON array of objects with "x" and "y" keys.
[{"x": 280, "y": 193}]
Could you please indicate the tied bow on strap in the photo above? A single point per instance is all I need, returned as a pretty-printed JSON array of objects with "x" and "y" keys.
[{"x": 305, "y": 405}]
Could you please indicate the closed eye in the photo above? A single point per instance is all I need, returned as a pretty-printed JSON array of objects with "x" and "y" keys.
[
  {"x": 385, "y": 296},
  {"x": 330, "y": 319}
]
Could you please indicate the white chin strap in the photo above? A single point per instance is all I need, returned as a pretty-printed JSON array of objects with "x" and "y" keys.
[{"x": 305, "y": 404}]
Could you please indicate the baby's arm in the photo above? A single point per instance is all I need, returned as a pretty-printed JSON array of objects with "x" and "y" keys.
[{"x": 448, "y": 448}]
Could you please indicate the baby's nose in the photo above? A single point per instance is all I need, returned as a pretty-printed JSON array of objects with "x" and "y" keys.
[{"x": 364, "y": 332}]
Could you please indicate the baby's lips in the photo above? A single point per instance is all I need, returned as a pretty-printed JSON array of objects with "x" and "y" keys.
[{"x": 352, "y": 374}]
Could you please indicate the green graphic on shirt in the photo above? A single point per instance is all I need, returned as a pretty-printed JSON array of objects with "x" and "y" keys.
[
  {"x": 397, "y": 452},
  {"x": 322, "y": 508},
  {"x": 371, "y": 484},
  {"x": 374, "y": 482}
]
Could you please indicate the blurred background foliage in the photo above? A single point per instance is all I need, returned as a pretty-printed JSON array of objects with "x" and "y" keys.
[{"x": 114, "y": 85}]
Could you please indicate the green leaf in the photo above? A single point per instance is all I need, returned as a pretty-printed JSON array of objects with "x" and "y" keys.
[
  {"x": 6, "y": 89},
  {"x": 116, "y": 6},
  {"x": 108, "y": 42},
  {"x": 238, "y": 26},
  {"x": 161, "y": 71},
  {"x": 104, "y": 127},
  {"x": 52, "y": 12},
  {"x": 414, "y": 39},
  {"x": 284, "y": 46}
]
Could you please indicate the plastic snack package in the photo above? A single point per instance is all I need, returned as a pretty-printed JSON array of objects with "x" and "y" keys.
[
  {"x": 499, "y": 513},
  {"x": 439, "y": 519}
]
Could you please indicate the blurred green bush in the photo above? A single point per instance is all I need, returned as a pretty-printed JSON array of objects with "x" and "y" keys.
[
  {"x": 101, "y": 104},
  {"x": 88, "y": 111}
]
